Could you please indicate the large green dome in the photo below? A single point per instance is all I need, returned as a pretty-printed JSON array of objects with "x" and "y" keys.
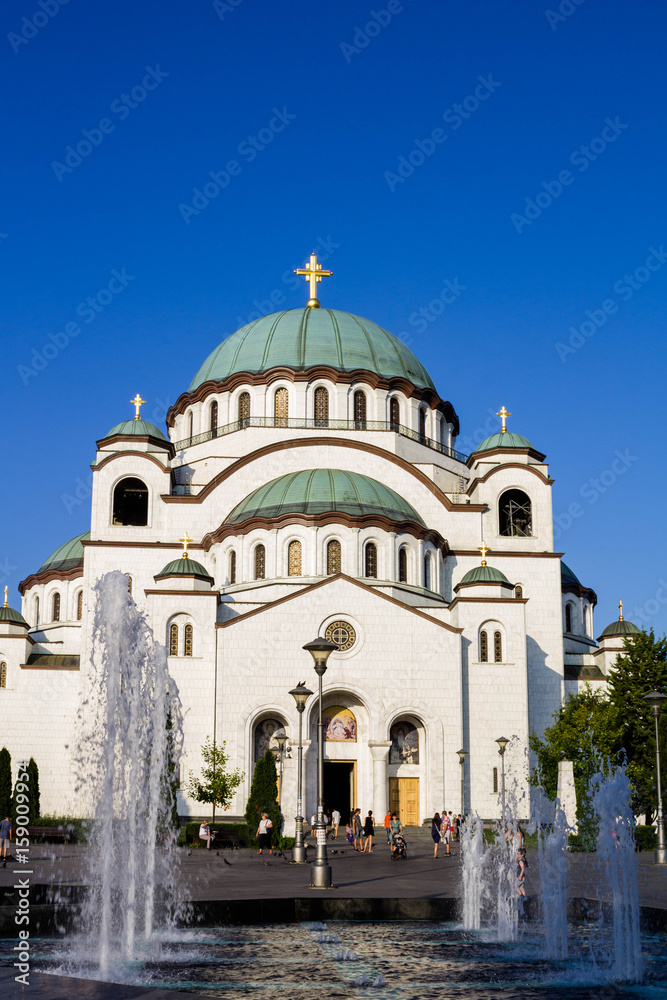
[
  {"x": 68, "y": 556},
  {"x": 318, "y": 491},
  {"x": 303, "y": 338}
]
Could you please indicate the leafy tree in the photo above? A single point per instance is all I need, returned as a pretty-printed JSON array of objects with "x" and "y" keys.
[
  {"x": 5, "y": 783},
  {"x": 33, "y": 790},
  {"x": 217, "y": 785},
  {"x": 641, "y": 669},
  {"x": 264, "y": 795}
]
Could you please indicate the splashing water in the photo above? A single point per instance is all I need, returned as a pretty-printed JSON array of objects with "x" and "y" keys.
[
  {"x": 132, "y": 737},
  {"x": 473, "y": 874},
  {"x": 552, "y": 848}
]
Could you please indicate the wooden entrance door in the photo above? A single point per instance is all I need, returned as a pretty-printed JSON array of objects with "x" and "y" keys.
[{"x": 404, "y": 799}]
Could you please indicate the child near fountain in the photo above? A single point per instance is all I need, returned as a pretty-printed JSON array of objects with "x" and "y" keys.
[{"x": 521, "y": 865}]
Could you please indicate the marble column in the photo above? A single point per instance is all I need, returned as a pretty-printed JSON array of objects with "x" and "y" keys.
[{"x": 380, "y": 752}]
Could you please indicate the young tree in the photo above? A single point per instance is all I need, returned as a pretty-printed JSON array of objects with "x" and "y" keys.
[
  {"x": 642, "y": 669},
  {"x": 264, "y": 795},
  {"x": 5, "y": 783},
  {"x": 33, "y": 790},
  {"x": 217, "y": 785}
]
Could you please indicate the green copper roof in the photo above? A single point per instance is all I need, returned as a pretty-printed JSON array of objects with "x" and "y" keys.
[
  {"x": 302, "y": 338},
  {"x": 185, "y": 567},
  {"x": 317, "y": 491},
  {"x": 506, "y": 440},
  {"x": 12, "y": 617},
  {"x": 484, "y": 574},
  {"x": 567, "y": 576},
  {"x": 620, "y": 628},
  {"x": 68, "y": 556},
  {"x": 136, "y": 428}
]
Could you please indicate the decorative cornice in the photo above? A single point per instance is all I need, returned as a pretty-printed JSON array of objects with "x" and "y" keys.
[
  {"x": 159, "y": 442},
  {"x": 96, "y": 466},
  {"x": 498, "y": 553},
  {"x": 185, "y": 593},
  {"x": 313, "y": 442},
  {"x": 361, "y": 375},
  {"x": 547, "y": 480},
  {"x": 328, "y": 517},
  {"x": 531, "y": 452},
  {"x": 488, "y": 600},
  {"x": 112, "y": 543},
  {"x": 580, "y": 591},
  {"x": 52, "y": 574},
  {"x": 484, "y": 583}
]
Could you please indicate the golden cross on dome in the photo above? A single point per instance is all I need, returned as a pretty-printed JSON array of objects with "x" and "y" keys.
[
  {"x": 314, "y": 273},
  {"x": 137, "y": 402},
  {"x": 620, "y": 609},
  {"x": 483, "y": 548},
  {"x": 503, "y": 414},
  {"x": 185, "y": 541},
  {"x": 6, "y": 592}
]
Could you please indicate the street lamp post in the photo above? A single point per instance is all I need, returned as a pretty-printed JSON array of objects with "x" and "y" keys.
[
  {"x": 502, "y": 746},
  {"x": 656, "y": 700},
  {"x": 462, "y": 759},
  {"x": 320, "y": 870},
  {"x": 279, "y": 755},
  {"x": 301, "y": 694}
]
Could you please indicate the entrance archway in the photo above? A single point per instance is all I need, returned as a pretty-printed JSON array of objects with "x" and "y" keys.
[{"x": 404, "y": 768}]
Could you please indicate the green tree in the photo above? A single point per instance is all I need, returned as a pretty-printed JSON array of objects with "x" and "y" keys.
[
  {"x": 5, "y": 783},
  {"x": 640, "y": 669},
  {"x": 217, "y": 785},
  {"x": 264, "y": 795},
  {"x": 33, "y": 790}
]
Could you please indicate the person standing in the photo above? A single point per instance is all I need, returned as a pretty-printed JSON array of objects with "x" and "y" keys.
[
  {"x": 6, "y": 829},
  {"x": 356, "y": 822},
  {"x": 521, "y": 865},
  {"x": 205, "y": 834},
  {"x": 264, "y": 833},
  {"x": 369, "y": 832},
  {"x": 445, "y": 830},
  {"x": 387, "y": 826},
  {"x": 435, "y": 833},
  {"x": 335, "y": 816},
  {"x": 395, "y": 828}
]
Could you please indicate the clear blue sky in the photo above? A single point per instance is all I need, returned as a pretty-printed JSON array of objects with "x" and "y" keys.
[{"x": 335, "y": 110}]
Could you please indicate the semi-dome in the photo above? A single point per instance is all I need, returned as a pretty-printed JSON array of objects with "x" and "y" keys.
[
  {"x": 303, "y": 338},
  {"x": 68, "y": 556},
  {"x": 567, "y": 576},
  {"x": 318, "y": 491},
  {"x": 184, "y": 566},
  {"x": 620, "y": 628},
  {"x": 506, "y": 440},
  {"x": 11, "y": 617},
  {"x": 135, "y": 428},
  {"x": 484, "y": 574}
]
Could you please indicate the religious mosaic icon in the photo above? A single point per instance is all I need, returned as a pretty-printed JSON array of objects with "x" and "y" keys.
[
  {"x": 404, "y": 744},
  {"x": 342, "y": 634},
  {"x": 265, "y": 736},
  {"x": 339, "y": 724}
]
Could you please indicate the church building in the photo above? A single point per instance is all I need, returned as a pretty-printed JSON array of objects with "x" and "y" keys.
[{"x": 308, "y": 484}]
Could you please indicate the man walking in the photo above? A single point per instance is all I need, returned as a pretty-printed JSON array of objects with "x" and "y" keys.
[
  {"x": 387, "y": 827},
  {"x": 5, "y": 838},
  {"x": 335, "y": 818},
  {"x": 357, "y": 830}
]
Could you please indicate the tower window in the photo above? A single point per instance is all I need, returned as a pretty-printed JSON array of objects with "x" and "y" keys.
[
  {"x": 394, "y": 413},
  {"x": 483, "y": 647},
  {"x": 79, "y": 606},
  {"x": 422, "y": 424},
  {"x": 187, "y": 644},
  {"x": 232, "y": 567},
  {"x": 173, "y": 640},
  {"x": 497, "y": 647},
  {"x": 130, "y": 502},
  {"x": 260, "y": 562},
  {"x": 55, "y": 608},
  {"x": 294, "y": 559},
  {"x": 568, "y": 618},
  {"x": 371, "y": 560},
  {"x": 402, "y": 565},
  {"x": 427, "y": 571},
  {"x": 244, "y": 409},
  {"x": 495, "y": 780},
  {"x": 281, "y": 407},
  {"x": 333, "y": 557},
  {"x": 515, "y": 514},
  {"x": 190, "y": 424},
  {"x": 360, "y": 410},
  {"x": 129, "y": 584},
  {"x": 518, "y": 590},
  {"x": 587, "y": 630},
  {"x": 36, "y": 607},
  {"x": 3, "y": 675},
  {"x": 321, "y": 407},
  {"x": 214, "y": 419}
]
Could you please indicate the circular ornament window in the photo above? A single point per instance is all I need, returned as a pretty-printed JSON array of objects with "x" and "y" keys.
[{"x": 342, "y": 634}]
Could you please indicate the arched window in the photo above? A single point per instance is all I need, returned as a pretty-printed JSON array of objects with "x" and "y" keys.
[
  {"x": 371, "y": 560},
  {"x": 214, "y": 419},
  {"x": 129, "y": 584},
  {"x": 130, "y": 502},
  {"x": 568, "y": 617},
  {"x": 191, "y": 424},
  {"x": 515, "y": 514},
  {"x": 281, "y": 407},
  {"x": 394, "y": 413},
  {"x": 79, "y": 606},
  {"x": 333, "y": 557},
  {"x": 495, "y": 780},
  {"x": 55, "y": 608},
  {"x": 232, "y": 567},
  {"x": 244, "y": 409},
  {"x": 427, "y": 571},
  {"x": 260, "y": 562},
  {"x": 173, "y": 640},
  {"x": 3, "y": 675},
  {"x": 36, "y": 610},
  {"x": 360, "y": 410},
  {"x": 483, "y": 646},
  {"x": 187, "y": 644},
  {"x": 497, "y": 647},
  {"x": 402, "y": 564},
  {"x": 518, "y": 590},
  {"x": 587, "y": 630},
  {"x": 294, "y": 559},
  {"x": 321, "y": 407},
  {"x": 422, "y": 423}
]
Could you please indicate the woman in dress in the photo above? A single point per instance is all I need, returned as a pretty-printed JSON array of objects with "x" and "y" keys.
[
  {"x": 264, "y": 833},
  {"x": 369, "y": 832},
  {"x": 435, "y": 833}
]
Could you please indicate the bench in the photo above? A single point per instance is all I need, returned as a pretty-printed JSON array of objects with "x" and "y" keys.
[{"x": 48, "y": 833}]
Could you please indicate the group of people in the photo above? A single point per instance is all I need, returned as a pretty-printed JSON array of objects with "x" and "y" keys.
[{"x": 445, "y": 828}]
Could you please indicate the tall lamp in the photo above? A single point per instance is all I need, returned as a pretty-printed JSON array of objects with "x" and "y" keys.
[
  {"x": 320, "y": 870},
  {"x": 301, "y": 694},
  {"x": 462, "y": 754},
  {"x": 656, "y": 700},
  {"x": 279, "y": 755},
  {"x": 502, "y": 747}
]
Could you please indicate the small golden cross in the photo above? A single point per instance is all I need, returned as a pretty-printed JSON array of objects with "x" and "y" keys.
[
  {"x": 503, "y": 414},
  {"x": 483, "y": 548},
  {"x": 620, "y": 610},
  {"x": 6, "y": 592},
  {"x": 186, "y": 541},
  {"x": 313, "y": 273},
  {"x": 137, "y": 402}
]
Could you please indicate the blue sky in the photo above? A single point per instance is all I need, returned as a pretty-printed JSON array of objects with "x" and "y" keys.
[{"x": 540, "y": 197}]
